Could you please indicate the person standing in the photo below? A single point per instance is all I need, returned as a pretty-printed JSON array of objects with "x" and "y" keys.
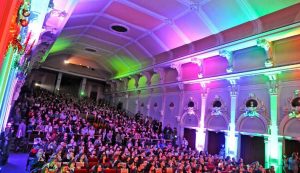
[
  {"x": 293, "y": 163},
  {"x": 21, "y": 132}
]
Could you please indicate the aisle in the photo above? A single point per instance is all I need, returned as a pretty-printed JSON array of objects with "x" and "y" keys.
[{"x": 16, "y": 163}]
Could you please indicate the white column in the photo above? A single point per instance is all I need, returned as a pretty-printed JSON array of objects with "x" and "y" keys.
[
  {"x": 163, "y": 109},
  {"x": 200, "y": 134},
  {"x": 82, "y": 87},
  {"x": 58, "y": 81},
  {"x": 148, "y": 106},
  {"x": 231, "y": 139},
  {"x": 274, "y": 146},
  {"x": 137, "y": 102},
  {"x": 99, "y": 93},
  {"x": 89, "y": 90},
  {"x": 126, "y": 101},
  {"x": 44, "y": 79},
  {"x": 180, "y": 112}
]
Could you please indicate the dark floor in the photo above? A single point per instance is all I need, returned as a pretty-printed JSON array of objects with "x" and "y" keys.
[{"x": 16, "y": 163}]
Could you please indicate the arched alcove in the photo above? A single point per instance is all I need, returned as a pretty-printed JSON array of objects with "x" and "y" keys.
[
  {"x": 292, "y": 128},
  {"x": 216, "y": 123},
  {"x": 191, "y": 104},
  {"x": 252, "y": 125},
  {"x": 189, "y": 120}
]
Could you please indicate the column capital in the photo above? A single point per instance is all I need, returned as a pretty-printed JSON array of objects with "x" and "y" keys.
[
  {"x": 268, "y": 47},
  {"x": 204, "y": 88},
  {"x": 161, "y": 72},
  {"x": 228, "y": 55},
  {"x": 181, "y": 86},
  {"x": 125, "y": 82},
  {"x": 148, "y": 76},
  {"x": 233, "y": 86},
  {"x": 136, "y": 77},
  {"x": 177, "y": 66},
  {"x": 273, "y": 82}
]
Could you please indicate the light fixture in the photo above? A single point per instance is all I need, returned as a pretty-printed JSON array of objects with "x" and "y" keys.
[
  {"x": 66, "y": 62},
  {"x": 119, "y": 28}
]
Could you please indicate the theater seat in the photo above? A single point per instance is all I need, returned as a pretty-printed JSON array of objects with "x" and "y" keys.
[
  {"x": 169, "y": 170},
  {"x": 93, "y": 160},
  {"x": 110, "y": 171},
  {"x": 91, "y": 164},
  {"x": 81, "y": 171}
]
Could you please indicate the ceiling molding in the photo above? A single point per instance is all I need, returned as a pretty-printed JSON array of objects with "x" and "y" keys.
[
  {"x": 234, "y": 45},
  {"x": 72, "y": 73},
  {"x": 95, "y": 19},
  {"x": 142, "y": 9}
]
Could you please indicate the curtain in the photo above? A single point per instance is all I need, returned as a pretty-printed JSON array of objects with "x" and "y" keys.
[
  {"x": 190, "y": 136},
  {"x": 252, "y": 149},
  {"x": 215, "y": 142},
  {"x": 291, "y": 146}
]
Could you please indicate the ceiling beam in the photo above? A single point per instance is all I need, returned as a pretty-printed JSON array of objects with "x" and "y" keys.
[
  {"x": 95, "y": 18},
  {"x": 223, "y": 77},
  {"x": 74, "y": 74},
  {"x": 272, "y": 35}
]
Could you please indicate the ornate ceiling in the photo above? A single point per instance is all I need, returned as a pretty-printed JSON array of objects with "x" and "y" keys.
[{"x": 154, "y": 28}]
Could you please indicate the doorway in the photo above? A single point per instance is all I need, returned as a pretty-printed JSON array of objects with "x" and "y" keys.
[
  {"x": 93, "y": 95},
  {"x": 252, "y": 149},
  {"x": 291, "y": 146},
  {"x": 190, "y": 136},
  {"x": 215, "y": 142}
]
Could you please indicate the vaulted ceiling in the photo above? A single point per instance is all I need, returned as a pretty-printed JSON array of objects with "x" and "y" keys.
[{"x": 153, "y": 27}]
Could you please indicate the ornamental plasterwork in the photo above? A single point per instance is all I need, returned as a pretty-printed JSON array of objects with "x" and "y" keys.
[
  {"x": 290, "y": 110},
  {"x": 253, "y": 110},
  {"x": 191, "y": 110},
  {"x": 215, "y": 110}
]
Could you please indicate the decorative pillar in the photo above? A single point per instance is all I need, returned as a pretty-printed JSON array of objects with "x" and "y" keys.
[
  {"x": 200, "y": 134},
  {"x": 58, "y": 81},
  {"x": 161, "y": 72},
  {"x": 148, "y": 76},
  {"x": 82, "y": 87},
  {"x": 137, "y": 78},
  {"x": 268, "y": 47},
  {"x": 180, "y": 112},
  {"x": 274, "y": 147},
  {"x": 163, "y": 108},
  {"x": 228, "y": 55},
  {"x": 149, "y": 101},
  {"x": 126, "y": 101},
  {"x": 99, "y": 92},
  {"x": 44, "y": 79},
  {"x": 231, "y": 141},
  {"x": 177, "y": 66},
  {"x": 89, "y": 90},
  {"x": 137, "y": 102}
]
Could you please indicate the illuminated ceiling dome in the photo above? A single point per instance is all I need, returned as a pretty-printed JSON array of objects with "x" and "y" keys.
[{"x": 128, "y": 36}]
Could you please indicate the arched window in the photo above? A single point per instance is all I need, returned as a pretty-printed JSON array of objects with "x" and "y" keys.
[
  {"x": 251, "y": 103},
  {"x": 217, "y": 104},
  {"x": 296, "y": 102},
  {"x": 171, "y": 105},
  {"x": 191, "y": 104},
  {"x": 155, "y": 105}
]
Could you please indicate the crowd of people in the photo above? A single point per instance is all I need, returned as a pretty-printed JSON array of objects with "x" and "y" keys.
[{"x": 71, "y": 135}]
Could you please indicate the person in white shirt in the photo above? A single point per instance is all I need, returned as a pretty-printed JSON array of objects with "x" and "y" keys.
[{"x": 48, "y": 128}]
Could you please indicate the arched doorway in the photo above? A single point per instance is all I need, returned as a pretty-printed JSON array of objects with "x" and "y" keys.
[
  {"x": 216, "y": 124},
  {"x": 290, "y": 128},
  {"x": 190, "y": 123},
  {"x": 252, "y": 129}
]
